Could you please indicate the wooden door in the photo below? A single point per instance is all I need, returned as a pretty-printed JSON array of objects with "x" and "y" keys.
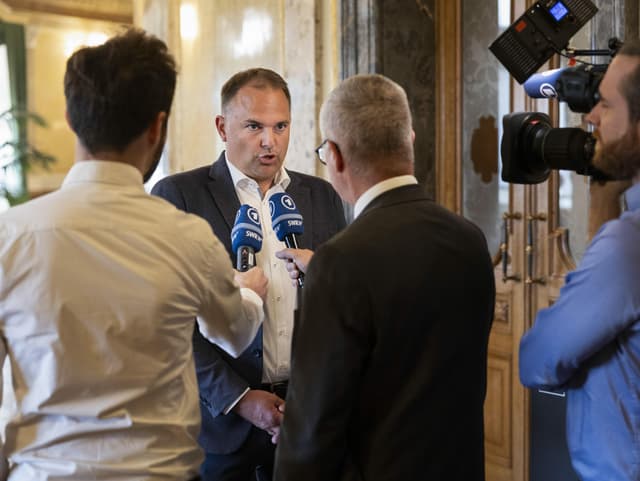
[{"x": 474, "y": 92}]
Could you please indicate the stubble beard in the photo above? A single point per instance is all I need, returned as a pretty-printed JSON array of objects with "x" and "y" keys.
[{"x": 620, "y": 158}]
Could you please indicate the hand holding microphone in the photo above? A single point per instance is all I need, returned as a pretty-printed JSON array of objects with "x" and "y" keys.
[
  {"x": 287, "y": 222},
  {"x": 298, "y": 260},
  {"x": 246, "y": 237},
  {"x": 246, "y": 240}
]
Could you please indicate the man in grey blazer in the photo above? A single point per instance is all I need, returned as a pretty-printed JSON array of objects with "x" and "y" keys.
[
  {"x": 388, "y": 370},
  {"x": 242, "y": 400}
]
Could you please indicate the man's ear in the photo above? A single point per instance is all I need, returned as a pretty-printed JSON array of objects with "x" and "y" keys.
[
  {"x": 156, "y": 127},
  {"x": 338, "y": 160},
  {"x": 66, "y": 116},
  {"x": 221, "y": 127}
]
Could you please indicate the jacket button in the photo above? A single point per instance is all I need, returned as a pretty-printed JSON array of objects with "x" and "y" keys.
[{"x": 257, "y": 352}]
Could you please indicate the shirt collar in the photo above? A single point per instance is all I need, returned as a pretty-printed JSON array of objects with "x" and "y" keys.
[
  {"x": 103, "y": 172},
  {"x": 632, "y": 197},
  {"x": 381, "y": 188},
  {"x": 240, "y": 180}
]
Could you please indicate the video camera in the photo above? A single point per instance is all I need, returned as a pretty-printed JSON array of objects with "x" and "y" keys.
[{"x": 530, "y": 146}]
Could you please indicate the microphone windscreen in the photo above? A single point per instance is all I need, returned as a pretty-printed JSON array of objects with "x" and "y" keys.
[
  {"x": 285, "y": 217},
  {"x": 543, "y": 85},
  {"x": 247, "y": 230}
]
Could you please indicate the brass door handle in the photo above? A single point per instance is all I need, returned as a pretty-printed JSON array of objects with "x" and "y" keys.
[
  {"x": 504, "y": 246},
  {"x": 530, "y": 250}
]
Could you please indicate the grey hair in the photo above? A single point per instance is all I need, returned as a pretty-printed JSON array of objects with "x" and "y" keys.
[{"x": 369, "y": 119}]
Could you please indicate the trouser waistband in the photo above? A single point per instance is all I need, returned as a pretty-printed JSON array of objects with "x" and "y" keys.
[{"x": 278, "y": 388}]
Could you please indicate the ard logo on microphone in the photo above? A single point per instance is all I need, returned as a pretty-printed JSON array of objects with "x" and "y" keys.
[
  {"x": 253, "y": 215},
  {"x": 250, "y": 212},
  {"x": 287, "y": 202}
]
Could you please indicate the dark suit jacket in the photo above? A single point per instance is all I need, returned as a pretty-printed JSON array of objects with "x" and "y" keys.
[
  {"x": 389, "y": 354},
  {"x": 209, "y": 192}
]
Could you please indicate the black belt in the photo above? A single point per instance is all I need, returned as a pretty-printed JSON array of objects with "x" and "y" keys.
[{"x": 277, "y": 388}]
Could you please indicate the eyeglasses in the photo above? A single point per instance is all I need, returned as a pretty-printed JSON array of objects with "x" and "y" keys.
[{"x": 320, "y": 152}]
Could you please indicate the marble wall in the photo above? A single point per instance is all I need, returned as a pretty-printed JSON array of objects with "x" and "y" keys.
[
  {"x": 397, "y": 39},
  {"x": 213, "y": 39},
  {"x": 408, "y": 57}
]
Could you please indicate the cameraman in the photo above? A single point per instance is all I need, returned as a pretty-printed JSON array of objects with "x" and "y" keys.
[{"x": 588, "y": 342}]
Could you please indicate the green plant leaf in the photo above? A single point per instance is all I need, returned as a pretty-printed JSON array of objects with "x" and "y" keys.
[{"x": 23, "y": 153}]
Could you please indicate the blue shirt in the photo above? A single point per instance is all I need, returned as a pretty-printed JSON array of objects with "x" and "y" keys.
[{"x": 588, "y": 343}]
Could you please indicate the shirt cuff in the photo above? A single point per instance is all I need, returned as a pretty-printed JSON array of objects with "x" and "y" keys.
[
  {"x": 233, "y": 404},
  {"x": 250, "y": 296}
]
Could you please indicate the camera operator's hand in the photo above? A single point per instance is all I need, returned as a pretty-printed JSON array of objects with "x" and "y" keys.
[{"x": 604, "y": 200}]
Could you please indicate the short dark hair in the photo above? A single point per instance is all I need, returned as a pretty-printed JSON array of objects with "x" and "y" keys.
[
  {"x": 256, "y": 77},
  {"x": 115, "y": 90},
  {"x": 630, "y": 86}
]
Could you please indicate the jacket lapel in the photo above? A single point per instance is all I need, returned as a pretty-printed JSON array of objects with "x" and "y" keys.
[
  {"x": 222, "y": 190},
  {"x": 301, "y": 195}
]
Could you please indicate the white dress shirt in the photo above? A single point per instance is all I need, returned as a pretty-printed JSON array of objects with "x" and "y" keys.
[
  {"x": 281, "y": 297},
  {"x": 379, "y": 189},
  {"x": 99, "y": 287}
]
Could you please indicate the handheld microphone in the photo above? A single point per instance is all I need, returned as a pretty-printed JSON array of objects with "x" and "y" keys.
[
  {"x": 246, "y": 237},
  {"x": 543, "y": 85},
  {"x": 286, "y": 221}
]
